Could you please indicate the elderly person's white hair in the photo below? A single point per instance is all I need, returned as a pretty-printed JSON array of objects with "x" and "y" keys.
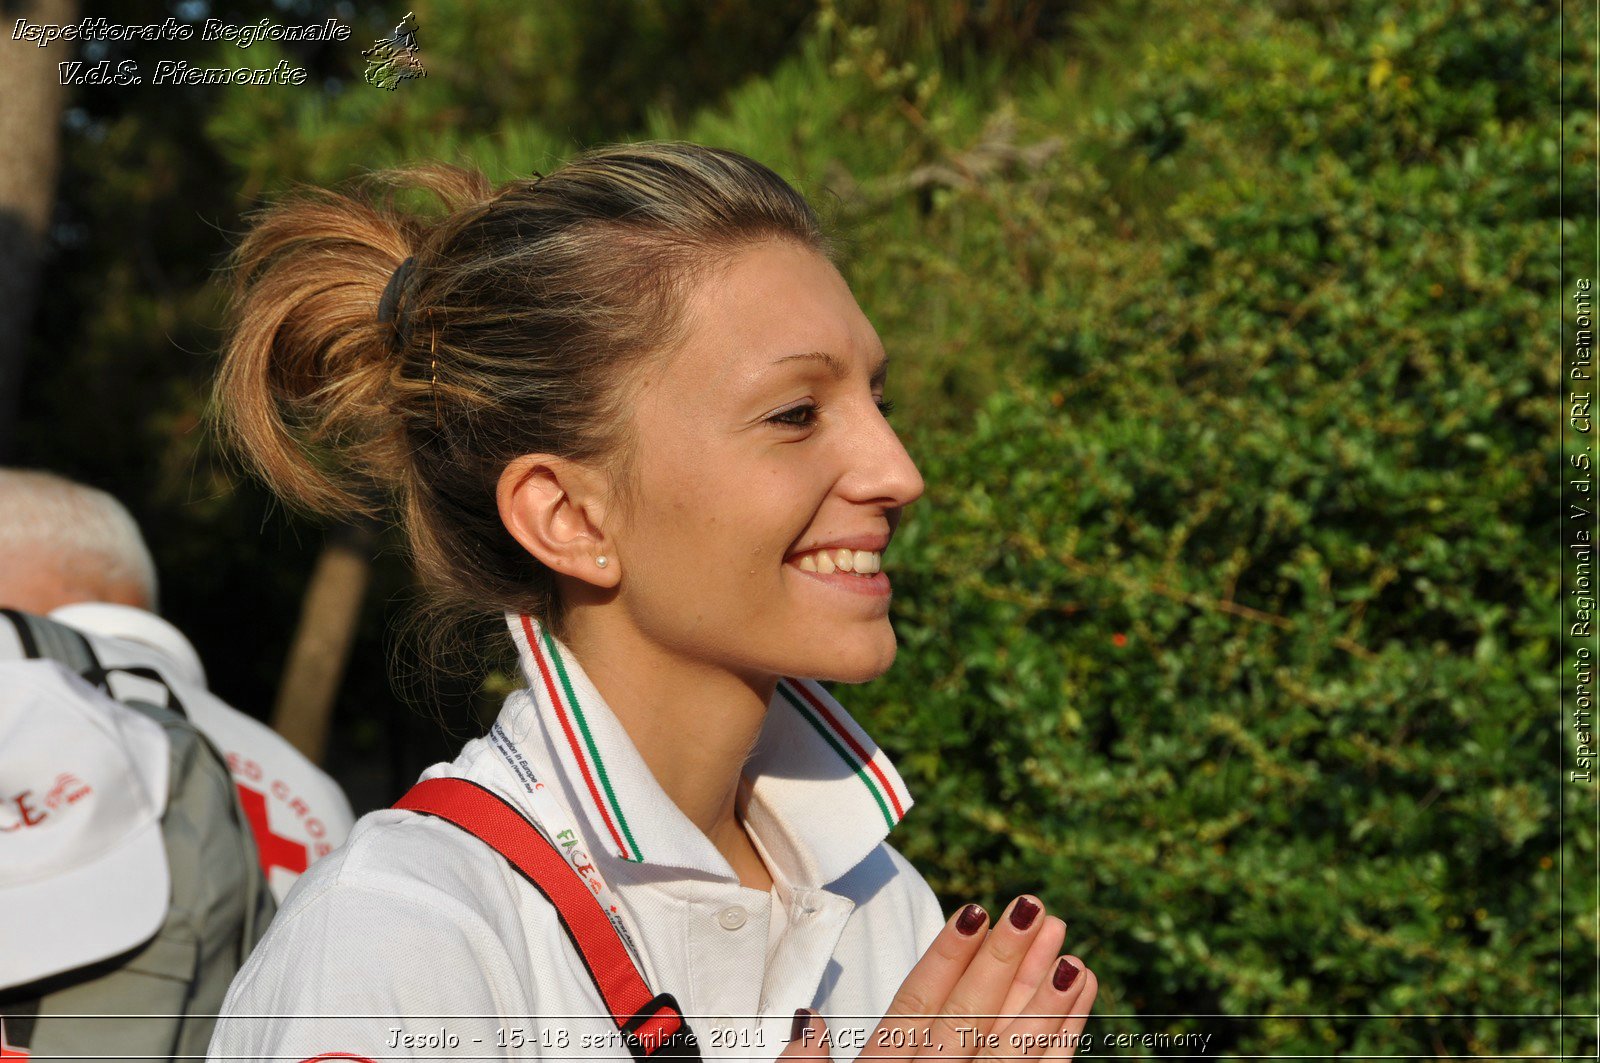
[{"x": 90, "y": 537}]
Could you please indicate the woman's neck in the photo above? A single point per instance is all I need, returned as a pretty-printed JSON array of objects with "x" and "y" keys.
[{"x": 695, "y": 727}]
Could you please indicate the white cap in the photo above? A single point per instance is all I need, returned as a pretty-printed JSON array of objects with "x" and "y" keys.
[{"x": 83, "y": 785}]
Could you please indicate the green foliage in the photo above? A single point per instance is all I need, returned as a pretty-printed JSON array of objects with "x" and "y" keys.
[
  {"x": 1227, "y": 621},
  {"x": 522, "y": 83}
]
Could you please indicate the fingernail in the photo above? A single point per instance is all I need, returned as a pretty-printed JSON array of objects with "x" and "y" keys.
[
  {"x": 1024, "y": 913},
  {"x": 802, "y": 1020},
  {"x": 1066, "y": 974},
  {"x": 971, "y": 919}
]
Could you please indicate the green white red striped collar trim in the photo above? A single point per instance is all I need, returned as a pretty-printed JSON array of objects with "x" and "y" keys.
[{"x": 819, "y": 794}]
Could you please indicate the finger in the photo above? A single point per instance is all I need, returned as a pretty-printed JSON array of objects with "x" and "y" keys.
[
  {"x": 1052, "y": 1021},
  {"x": 925, "y": 989},
  {"x": 1079, "y": 1016},
  {"x": 808, "y": 1037},
  {"x": 975, "y": 1001},
  {"x": 1036, "y": 965}
]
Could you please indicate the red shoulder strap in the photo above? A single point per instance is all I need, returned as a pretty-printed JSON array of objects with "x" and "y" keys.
[{"x": 650, "y": 1025}]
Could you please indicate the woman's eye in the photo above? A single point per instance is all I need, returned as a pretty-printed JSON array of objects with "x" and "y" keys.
[
  {"x": 795, "y": 418},
  {"x": 802, "y": 416}
]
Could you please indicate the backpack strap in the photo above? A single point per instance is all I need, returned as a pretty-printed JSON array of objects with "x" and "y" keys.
[
  {"x": 651, "y": 1025},
  {"x": 41, "y": 638}
]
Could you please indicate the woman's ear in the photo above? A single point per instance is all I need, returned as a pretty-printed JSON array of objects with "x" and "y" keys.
[{"x": 554, "y": 508}]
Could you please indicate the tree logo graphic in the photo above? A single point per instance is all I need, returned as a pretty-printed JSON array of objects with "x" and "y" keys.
[{"x": 393, "y": 59}]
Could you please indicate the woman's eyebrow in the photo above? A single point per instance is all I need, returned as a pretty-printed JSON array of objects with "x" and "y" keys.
[{"x": 837, "y": 366}]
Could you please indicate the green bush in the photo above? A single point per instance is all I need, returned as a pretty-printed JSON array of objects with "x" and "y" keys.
[{"x": 1228, "y": 622}]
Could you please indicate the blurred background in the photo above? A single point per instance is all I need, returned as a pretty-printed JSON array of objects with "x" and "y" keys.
[{"x": 1225, "y": 337}]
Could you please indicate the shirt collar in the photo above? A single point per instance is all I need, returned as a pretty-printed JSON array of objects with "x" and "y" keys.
[
  {"x": 817, "y": 793},
  {"x": 110, "y": 620}
]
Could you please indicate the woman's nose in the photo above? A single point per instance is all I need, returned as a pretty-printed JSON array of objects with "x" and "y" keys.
[{"x": 883, "y": 468}]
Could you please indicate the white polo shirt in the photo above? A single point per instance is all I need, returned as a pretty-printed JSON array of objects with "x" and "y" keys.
[{"x": 415, "y": 940}]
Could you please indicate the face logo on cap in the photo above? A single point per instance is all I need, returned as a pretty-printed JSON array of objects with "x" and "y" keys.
[
  {"x": 68, "y": 789},
  {"x": 25, "y": 810}
]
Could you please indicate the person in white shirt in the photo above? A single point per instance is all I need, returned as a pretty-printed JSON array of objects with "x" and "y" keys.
[
  {"x": 633, "y": 407},
  {"x": 74, "y": 553}
]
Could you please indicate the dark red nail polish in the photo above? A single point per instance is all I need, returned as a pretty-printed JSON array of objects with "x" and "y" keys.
[
  {"x": 802, "y": 1019},
  {"x": 971, "y": 919},
  {"x": 1066, "y": 974},
  {"x": 1023, "y": 915}
]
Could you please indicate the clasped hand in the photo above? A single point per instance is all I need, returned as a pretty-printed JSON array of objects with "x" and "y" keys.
[{"x": 979, "y": 993}]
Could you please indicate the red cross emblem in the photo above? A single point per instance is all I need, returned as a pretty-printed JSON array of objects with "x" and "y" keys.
[{"x": 275, "y": 849}]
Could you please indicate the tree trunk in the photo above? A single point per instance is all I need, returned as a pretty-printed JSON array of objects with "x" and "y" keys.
[
  {"x": 31, "y": 97},
  {"x": 321, "y": 647}
]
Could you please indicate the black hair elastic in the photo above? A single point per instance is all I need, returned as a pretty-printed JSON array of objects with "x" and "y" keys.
[{"x": 389, "y": 305}]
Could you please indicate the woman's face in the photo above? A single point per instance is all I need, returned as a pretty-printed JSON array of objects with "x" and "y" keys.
[{"x": 751, "y": 458}]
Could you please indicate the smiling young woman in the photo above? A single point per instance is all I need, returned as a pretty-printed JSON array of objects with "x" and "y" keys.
[{"x": 633, "y": 407}]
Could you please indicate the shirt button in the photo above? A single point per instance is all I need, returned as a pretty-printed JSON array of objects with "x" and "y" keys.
[{"x": 731, "y": 917}]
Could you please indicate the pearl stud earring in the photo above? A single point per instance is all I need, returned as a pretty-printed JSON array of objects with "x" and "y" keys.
[{"x": 601, "y": 560}]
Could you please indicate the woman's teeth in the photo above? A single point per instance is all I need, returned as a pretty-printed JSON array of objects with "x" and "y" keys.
[{"x": 861, "y": 562}]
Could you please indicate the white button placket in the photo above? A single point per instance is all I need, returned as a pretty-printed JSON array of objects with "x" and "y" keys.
[
  {"x": 729, "y": 940},
  {"x": 816, "y": 922}
]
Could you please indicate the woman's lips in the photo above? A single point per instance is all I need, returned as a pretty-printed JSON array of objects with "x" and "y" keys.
[{"x": 873, "y": 586}]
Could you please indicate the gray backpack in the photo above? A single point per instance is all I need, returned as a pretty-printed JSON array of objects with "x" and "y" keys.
[{"x": 159, "y": 1000}]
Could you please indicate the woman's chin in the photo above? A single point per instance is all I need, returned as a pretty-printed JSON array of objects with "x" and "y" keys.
[{"x": 858, "y": 664}]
